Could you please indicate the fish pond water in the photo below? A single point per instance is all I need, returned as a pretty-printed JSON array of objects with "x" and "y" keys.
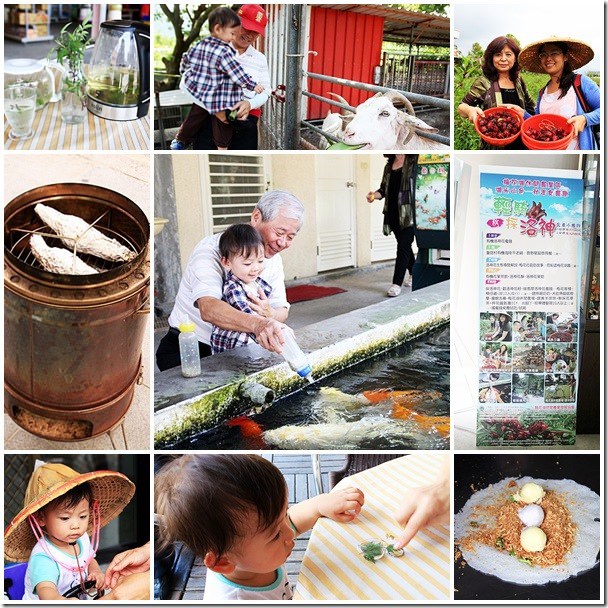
[{"x": 397, "y": 400}]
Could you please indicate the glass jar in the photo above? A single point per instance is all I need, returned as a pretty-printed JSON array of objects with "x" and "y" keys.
[
  {"x": 73, "y": 93},
  {"x": 35, "y": 72}
]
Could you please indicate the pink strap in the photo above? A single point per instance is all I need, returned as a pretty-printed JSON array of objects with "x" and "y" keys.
[{"x": 39, "y": 535}]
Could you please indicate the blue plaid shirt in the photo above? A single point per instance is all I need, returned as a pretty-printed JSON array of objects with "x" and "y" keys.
[
  {"x": 213, "y": 75},
  {"x": 236, "y": 296}
]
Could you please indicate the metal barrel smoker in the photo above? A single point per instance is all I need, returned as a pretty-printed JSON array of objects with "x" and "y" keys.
[{"x": 72, "y": 343}]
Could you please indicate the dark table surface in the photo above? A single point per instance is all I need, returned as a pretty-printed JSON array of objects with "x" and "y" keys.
[{"x": 480, "y": 471}]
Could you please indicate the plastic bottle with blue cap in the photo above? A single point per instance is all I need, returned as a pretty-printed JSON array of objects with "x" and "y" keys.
[{"x": 294, "y": 356}]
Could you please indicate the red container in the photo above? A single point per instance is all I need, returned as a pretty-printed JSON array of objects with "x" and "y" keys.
[
  {"x": 551, "y": 119},
  {"x": 493, "y": 141}
]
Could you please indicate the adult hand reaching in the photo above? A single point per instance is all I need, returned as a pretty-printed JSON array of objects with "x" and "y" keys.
[
  {"x": 128, "y": 562},
  {"x": 269, "y": 334},
  {"x": 425, "y": 506},
  {"x": 133, "y": 587}
]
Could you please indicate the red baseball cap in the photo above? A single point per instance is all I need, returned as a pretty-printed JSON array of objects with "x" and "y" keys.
[{"x": 253, "y": 17}]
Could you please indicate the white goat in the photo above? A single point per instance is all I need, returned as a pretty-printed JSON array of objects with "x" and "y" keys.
[{"x": 379, "y": 124}]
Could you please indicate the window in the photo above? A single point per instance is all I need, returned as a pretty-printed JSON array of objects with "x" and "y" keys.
[{"x": 236, "y": 183}]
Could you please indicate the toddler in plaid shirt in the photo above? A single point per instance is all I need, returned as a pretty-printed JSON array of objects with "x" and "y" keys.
[
  {"x": 242, "y": 255},
  {"x": 216, "y": 80}
]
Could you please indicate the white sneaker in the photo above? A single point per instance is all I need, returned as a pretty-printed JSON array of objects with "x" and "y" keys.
[
  {"x": 393, "y": 290},
  {"x": 408, "y": 280}
]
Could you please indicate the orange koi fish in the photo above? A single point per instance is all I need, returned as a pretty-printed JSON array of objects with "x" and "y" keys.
[
  {"x": 404, "y": 401},
  {"x": 441, "y": 424},
  {"x": 403, "y": 398},
  {"x": 251, "y": 431}
]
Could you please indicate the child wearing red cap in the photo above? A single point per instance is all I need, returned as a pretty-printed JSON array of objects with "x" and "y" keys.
[{"x": 215, "y": 79}]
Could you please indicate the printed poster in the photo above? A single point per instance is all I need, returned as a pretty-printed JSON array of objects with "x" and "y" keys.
[
  {"x": 531, "y": 248},
  {"x": 432, "y": 191}
]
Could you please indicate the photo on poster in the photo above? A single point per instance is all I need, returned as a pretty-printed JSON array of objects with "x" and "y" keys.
[
  {"x": 495, "y": 387},
  {"x": 529, "y": 327},
  {"x": 528, "y": 388},
  {"x": 561, "y": 358},
  {"x": 432, "y": 192},
  {"x": 495, "y": 356},
  {"x": 560, "y": 388},
  {"x": 562, "y": 327},
  {"x": 528, "y": 357},
  {"x": 496, "y": 326}
]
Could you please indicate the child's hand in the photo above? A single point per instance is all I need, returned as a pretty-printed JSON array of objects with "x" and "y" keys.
[
  {"x": 95, "y": 574},
  {"x": 259, "y": 88},
  {"x": 342, "y": 505}
]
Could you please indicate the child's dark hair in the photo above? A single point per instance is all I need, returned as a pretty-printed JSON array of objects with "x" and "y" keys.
[
  {"x": 72, "y": 497},
  {"x": 224, "y": 17},
  {"x": 204, "y": 500},
  {"x": 240, "y": 239}
]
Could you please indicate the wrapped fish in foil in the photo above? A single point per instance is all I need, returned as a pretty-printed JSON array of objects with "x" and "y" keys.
[
  {"x": 76, "y": 233},
  {"x": 57, "y": 259}
]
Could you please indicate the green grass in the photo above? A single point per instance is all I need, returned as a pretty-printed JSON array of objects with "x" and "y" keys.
[{"x": 163, "y": 45}]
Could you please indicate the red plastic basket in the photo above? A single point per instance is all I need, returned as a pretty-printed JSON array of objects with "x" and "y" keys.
[
  {"x": 553, "y": 119},
  {"x": 493, "y": 141}
]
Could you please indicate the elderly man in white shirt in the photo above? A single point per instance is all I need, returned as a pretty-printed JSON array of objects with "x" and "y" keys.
[
  {"x": 245, "y": 137},
  {"x": 278, "y": 217}
]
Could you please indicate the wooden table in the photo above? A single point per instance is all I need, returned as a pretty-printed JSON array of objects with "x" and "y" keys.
[
  {"x": 50, "y": 133},
  {"x": 332, "y": 567}
]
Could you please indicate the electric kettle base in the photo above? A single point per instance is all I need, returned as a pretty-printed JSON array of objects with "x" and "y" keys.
[{"x": 116, "y": 112}]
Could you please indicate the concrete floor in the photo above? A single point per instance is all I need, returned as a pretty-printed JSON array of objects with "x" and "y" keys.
[{"x": 364, "y": 286}]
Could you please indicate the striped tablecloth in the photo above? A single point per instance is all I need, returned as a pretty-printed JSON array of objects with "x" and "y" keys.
[
  {"x": 50, "y": 133},
  {"x": 332, "y": 568}
]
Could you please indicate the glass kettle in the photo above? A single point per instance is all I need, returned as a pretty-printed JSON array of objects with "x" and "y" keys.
[
  {"x": 118, "y": 75},
  {"x": 36, "y": 72}
]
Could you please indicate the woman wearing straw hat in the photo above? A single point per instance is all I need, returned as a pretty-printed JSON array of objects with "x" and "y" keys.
[
  {"x": 568, "y": 94},
  {"x": 503, "y": 333},
  {"x": 51, "y": 532},
  {"x": 500, "y": 85}
]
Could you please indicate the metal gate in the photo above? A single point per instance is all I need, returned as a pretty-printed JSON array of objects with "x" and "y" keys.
[
  {"x": 285, "y": 39},
  {"x": 418, "y": 74}
]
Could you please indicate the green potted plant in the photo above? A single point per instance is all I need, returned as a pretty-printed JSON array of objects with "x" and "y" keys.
[{"x": 69, "y": 51}]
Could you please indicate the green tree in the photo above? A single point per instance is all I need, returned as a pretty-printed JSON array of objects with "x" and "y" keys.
[
  {"x": 187, "y": 21},
  {"x": 476, "y": 52},
  {"x": 432, "y": 9},
  {"x": 513, "y": 37}
]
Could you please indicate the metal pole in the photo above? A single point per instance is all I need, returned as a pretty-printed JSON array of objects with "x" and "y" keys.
[
  {"x": 293, "y": 78},
  {"x": 437, "y": 102}
]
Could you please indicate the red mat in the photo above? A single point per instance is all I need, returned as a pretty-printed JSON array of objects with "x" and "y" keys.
[{"x": 301, "y": 293}]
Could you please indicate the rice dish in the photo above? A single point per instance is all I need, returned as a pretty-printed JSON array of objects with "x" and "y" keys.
[{"x": 488, "y": 532}]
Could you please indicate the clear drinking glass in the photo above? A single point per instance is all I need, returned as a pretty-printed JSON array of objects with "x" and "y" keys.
[{"x": 19, "y": 109}]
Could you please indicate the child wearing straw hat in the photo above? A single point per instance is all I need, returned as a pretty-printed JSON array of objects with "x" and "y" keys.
[{"x": 51, "y": 532}]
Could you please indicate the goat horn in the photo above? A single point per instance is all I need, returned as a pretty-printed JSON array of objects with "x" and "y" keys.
[
  {"x": 400, "y": 99},
  {"x": 341, "y": 100}
]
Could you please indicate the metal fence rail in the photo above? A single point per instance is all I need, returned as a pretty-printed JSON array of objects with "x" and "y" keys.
[{"x": 434, "y": 102}]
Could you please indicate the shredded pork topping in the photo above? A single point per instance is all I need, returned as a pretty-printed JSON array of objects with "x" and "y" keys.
[{"x": 557, "y": 525}]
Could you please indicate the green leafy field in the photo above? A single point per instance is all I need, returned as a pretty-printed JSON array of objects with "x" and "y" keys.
[{"x": 465, "y": 136}]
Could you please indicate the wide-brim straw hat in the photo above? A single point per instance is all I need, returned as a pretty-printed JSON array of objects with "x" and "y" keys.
[
  {"x": 579, "y": 54},
  {"x": 113, "y": 492}
]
